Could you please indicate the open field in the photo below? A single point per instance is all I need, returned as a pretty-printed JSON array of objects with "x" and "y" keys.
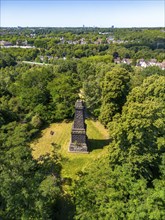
[{"x": 72, "y": 162}]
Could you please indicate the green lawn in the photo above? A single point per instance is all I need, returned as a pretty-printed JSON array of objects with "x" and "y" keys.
[{"x": 72, "y": 162}]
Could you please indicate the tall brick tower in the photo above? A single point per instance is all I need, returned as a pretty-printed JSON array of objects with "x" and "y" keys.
[{"x": 78, "y": 134}]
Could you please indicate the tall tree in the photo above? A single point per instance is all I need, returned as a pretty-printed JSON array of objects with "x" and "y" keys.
[
  {"x": 139, "y": 134},
  {"x": 64, "y": 93},
  {"x": 115, "y": 88}
]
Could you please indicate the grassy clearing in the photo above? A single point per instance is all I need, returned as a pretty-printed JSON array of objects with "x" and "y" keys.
[{"x": 72, "y": 162}]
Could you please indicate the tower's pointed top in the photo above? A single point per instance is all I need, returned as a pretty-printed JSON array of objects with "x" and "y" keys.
[{"x": 79, "y": 104}]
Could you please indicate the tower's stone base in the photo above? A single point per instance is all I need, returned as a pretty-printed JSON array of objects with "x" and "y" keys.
[{"x": 78, "y": 147}]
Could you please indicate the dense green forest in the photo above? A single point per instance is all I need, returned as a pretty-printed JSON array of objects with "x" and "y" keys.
[{"x": 128, "y": 99}]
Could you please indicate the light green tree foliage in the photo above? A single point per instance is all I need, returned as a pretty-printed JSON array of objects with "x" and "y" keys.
[
  {"x": 152, "y": 70},
  {"x": 24, "y": 92},
  {"x": 30, "y": 87},
  {"x": 115, "y": 88},
  {"x": 121, "y": 51},
  {"x": 139, "y": 135},
  {"x": 92, "y": 94},
  {"x": 138, "y": 75},
  {"x": 92, "y": 87},
  {"x": 85, "y": 69},
  {"x": 17, "y": 54},
  {"x": 64, "y": 91},
  {"x": 6, "y": 59}
]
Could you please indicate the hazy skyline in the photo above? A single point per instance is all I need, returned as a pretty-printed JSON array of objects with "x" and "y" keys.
[{"x": 76, "y": 13}]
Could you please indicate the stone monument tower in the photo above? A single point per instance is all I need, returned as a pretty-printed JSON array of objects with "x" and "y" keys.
[{"x": 78, "y": 134}]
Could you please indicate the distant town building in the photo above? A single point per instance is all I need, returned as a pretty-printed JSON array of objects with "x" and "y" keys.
[{"x": 5, "y": 43}]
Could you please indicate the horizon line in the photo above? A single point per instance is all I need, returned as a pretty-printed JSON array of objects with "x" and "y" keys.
[{"x": 18, "y": 26}]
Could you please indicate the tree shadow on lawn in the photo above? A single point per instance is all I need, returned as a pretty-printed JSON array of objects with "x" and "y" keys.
[{"x": 94, "y": 144}]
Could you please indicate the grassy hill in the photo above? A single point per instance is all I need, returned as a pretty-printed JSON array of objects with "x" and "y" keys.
[{"x": 72, "y": 162}]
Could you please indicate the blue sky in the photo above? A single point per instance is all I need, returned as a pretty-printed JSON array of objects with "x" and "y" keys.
[{"x": 76, "y": 13}]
